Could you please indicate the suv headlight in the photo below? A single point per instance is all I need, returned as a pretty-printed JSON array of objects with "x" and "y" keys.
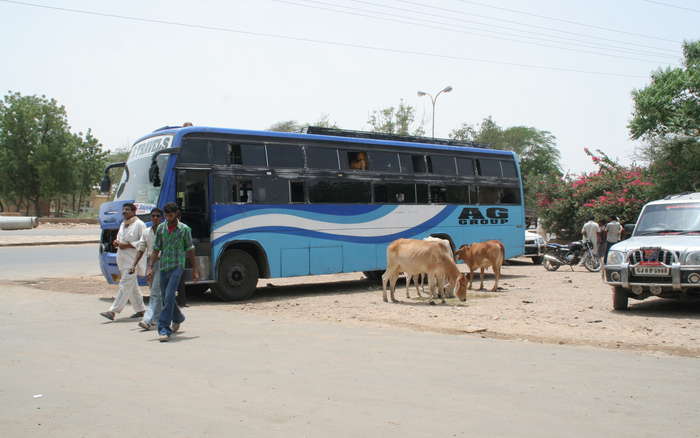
[
  {"x": 693, "y": 258},
  {"x": 616, "y": 257}
]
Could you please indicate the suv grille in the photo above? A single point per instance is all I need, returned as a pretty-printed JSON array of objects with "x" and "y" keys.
[{"x": 652, "y": 255}]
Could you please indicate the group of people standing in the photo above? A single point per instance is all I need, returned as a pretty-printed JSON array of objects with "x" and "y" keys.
[
  {"x": 602, "y": 235},
  {"x": 166, "y": 246}
]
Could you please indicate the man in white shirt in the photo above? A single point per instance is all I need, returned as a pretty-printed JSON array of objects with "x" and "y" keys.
[
  {"x": 155, "y": 300},
  {"x": 590, "y": 233},
  {"x": 613, "y": 233},
  {"x": 130, "y": 234}
]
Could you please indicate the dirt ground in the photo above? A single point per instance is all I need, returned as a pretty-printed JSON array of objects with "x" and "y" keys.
[{"x": 534, "y": 305}]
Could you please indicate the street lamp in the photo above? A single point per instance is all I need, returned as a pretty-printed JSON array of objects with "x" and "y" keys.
[{"x": 447, "y": 89}]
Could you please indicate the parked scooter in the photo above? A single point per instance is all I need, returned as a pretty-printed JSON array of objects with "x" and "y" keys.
[{"x": 557, "y": 255}]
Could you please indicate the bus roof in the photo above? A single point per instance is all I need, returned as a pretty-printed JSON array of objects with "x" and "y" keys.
[{"x": 179, "y": 132}]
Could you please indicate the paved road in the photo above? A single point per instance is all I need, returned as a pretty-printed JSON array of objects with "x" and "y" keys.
[
  {"x": 82, "y": 231},
  {"x": 31, "y": 262},
  {"x": 236, "y": 374}
]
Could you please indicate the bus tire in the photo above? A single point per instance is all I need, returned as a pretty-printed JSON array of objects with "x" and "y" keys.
[
  {"x": 238, "y": 276},
  {"x": 620, "y": 298},
  {"x": 374, "y": 276}
]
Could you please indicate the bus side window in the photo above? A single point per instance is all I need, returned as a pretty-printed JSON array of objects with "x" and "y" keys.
[
  {"x": 406, "y": 162},
  {"x": 289, "y": 156},
  {"x": 438, "y": 195},
  {"x": 321, "y": 158},
  {"x": 473, "y": 193},
  {"x": 236, "y": 156},
  {"x": 422, "y": 194},
  {"x": 489, "y": 195},
  {"x": 488, "y": 167},
  {"x": 465, "y": 166},
  {"x": 242, "y": 191},
  {"x": 222, "y": 189},
  {"x": 340, "y": 191},
  {"x": 248, "y": 155},
  {"x": 395, "y": 193},
  {"x": 296, "y": 189},
  {"x": 419, "y": 165},
  {"x": 384, "y": 161},
  {"x": 458, "y": 194},
  {"x": 442, "y": 165},
  {"x": 508, "y": 169},
  {"x": 356, "y": 160},
  {"x": 510, "y": 195}
]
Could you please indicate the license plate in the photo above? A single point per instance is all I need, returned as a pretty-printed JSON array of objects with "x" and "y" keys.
[{"x": 648, "y": 270}]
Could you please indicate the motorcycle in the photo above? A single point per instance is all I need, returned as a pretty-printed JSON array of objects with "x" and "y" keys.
[{"x": 571, "y": 254}]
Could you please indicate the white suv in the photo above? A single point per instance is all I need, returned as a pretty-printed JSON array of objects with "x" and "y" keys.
[
  {"x": 534, "y": 246},
  {"x": 662, "y": 258}
]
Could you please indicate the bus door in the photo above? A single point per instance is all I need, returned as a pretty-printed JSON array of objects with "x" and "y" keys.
[{"x": 193, "y": 199}]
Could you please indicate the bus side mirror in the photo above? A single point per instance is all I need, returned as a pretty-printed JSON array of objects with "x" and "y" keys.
[
  {"x": 105, "y": 184},
  {"x": 154, "y": 174}
]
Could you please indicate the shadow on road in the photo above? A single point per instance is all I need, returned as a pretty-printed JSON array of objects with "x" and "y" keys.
[{"x": 663, "y": 308}]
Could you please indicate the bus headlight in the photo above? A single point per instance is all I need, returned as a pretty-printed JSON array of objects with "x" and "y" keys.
[
  {"x": 693, "y": 258},
  {"x": 616, "y": 257}
]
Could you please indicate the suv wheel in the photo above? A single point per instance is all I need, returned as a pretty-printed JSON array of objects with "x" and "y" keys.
[{"x": 620, "y": 298}]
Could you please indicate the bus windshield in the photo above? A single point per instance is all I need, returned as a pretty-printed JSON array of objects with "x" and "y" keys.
[{"x": 134, "y": 185}]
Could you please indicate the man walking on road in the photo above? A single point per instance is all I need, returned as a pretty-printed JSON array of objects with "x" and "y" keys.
[
  {"x": 613, "y": 232},
  {"x": 130, "y": 233},
  {"x": 155, "y": 300},
  {"x": 173, "y": 242}
]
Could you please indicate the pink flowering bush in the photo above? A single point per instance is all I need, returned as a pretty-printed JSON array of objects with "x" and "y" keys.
[{"x": 566, "y": 203}]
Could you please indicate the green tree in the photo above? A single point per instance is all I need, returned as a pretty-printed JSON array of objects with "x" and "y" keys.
[
  {"x": 90, "y": 160},
  {"x": 399, "y": 120},
  {"x": 667, "y": 115},
  {"x": 39, "y": 157},
  {"x": 286, "y": 126},
  {"x": 539, "y": 155},
  {"x": 670, "y": 104},
  {"x": 36, "y": 149},
  {"x": 324, "y": 121}
]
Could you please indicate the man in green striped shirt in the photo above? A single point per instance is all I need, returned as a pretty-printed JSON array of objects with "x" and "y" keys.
[{"x": 173, "y": 244}]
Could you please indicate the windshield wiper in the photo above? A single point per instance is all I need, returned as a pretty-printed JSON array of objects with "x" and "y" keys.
[{"x": 647, "y": 233}]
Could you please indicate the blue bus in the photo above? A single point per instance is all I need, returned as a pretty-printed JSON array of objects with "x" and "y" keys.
[{"x": 267, "y": 204}]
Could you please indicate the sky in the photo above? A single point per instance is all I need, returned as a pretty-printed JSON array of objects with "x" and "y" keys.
[{"x": 567, "y": 67}]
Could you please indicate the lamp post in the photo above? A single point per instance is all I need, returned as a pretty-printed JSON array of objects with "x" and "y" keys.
[{"x": 447, "y": 89}]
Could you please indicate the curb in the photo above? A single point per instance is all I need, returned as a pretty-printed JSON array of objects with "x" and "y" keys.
[{"x": 58, "y": 242}]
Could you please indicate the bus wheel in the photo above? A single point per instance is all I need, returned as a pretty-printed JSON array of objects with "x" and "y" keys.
[
  {"x": 238, "y": 276},
  {"x": 374, "y": 276}
]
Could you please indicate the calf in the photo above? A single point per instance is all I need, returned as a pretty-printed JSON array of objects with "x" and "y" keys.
[
  {"x": 481, "y": 255},
  {"x": 417, "y": 256}
]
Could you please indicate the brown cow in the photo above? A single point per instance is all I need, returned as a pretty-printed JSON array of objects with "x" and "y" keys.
[
  {"x": 418, "y": 256},
  {"x": 481, "y": 255}
]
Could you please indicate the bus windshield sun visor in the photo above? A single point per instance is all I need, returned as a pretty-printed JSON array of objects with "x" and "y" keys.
[{"x": 153, "y": 172}]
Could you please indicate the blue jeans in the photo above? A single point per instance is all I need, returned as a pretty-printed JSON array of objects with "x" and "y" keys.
[
  {"x": 169, "y": 280},
  {"x": 155, "y": 301}
]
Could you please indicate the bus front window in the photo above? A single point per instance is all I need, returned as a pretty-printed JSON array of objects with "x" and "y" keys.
[{"x": 134, "y": 185}]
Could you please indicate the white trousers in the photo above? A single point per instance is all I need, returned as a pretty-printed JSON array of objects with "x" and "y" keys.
[{"x": 128, "y": 292}]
